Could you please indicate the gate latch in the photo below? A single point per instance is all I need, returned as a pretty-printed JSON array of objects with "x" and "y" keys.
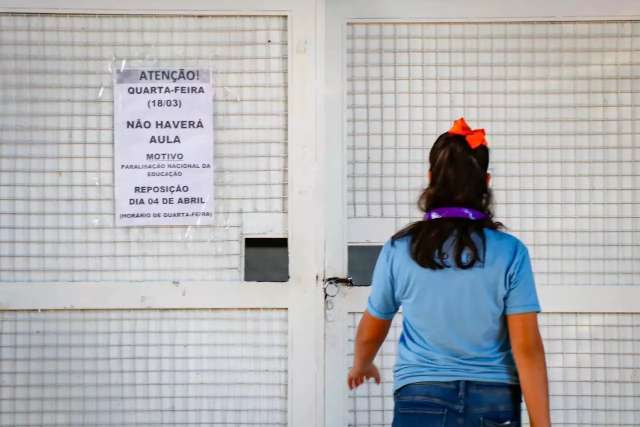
[{"x": 331, "y": 285}]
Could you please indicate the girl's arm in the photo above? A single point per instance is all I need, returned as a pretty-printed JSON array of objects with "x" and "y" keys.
[
  {"x": 371, "y": 334},
  {"x": 528, "y": 351}
]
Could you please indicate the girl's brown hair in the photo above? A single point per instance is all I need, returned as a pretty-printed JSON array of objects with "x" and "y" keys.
[{"x": 458, "y": 179}]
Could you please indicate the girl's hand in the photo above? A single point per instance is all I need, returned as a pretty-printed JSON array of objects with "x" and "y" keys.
[{"x": 357, "y": 375}]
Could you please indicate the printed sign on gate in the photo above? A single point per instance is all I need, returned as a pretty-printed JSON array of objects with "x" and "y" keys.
[{"x": 163, "y": 147}]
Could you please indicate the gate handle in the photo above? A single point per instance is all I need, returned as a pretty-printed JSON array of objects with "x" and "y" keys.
[{"x": 331, "y": 285}]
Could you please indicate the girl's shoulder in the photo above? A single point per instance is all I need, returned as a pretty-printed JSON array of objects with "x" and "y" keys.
[
  {"x": 505, "y": 246},
  {"x": 406, "y": 239},
  {"x": 502, "y": 237},
  {"x": 400, "y": 246},
  {"x": 399, "y": 243}
]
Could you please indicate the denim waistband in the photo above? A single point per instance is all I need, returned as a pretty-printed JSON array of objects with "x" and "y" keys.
[
  {"x": 467, "y": 383},
  {"x": 459, "y": 393},
  {"x": 461, "y": 386}
]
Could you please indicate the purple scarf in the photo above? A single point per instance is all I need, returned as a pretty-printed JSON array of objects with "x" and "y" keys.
[{"x": 467, "y": 213}]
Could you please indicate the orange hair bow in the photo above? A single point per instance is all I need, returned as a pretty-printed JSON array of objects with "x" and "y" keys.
[{"x": 475, "y": 137}]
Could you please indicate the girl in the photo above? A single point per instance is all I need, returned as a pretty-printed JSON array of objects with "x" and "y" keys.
[{"x": 470, "y": 345}]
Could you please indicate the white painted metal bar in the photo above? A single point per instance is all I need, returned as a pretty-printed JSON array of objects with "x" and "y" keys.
[
  {"x": 306, "y": 219},
  {"x": 163, "y": 7},
  {"x": 566, "y": 299},
  {"x": 92, "y": 295}
]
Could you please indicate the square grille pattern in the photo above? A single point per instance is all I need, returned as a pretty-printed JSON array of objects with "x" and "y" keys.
[
  {"x": 560, "y": 102},
  {"x": 593, "y": 362},
  {"x": 143, "y": 367},
  {"x": 56, "y": 143}
]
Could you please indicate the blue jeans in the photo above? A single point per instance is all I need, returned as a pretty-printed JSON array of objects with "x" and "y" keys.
[{"x": 457, "y": 403}]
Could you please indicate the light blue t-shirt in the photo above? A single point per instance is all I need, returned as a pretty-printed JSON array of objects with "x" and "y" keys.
[{"x": 454, "y": 325}]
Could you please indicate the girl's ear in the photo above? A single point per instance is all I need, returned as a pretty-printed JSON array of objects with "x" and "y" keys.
[
  {"x": 488, "y": 178},
  {"x": 429, "y": 175}
]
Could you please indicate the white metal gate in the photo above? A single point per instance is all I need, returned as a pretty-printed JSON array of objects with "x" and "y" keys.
[
  {"x": 560, "y": 100},
  {"x": 156, "y": 325}
]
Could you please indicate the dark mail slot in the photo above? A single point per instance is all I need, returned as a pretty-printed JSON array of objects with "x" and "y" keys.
[{"x": 266, "y": 260}]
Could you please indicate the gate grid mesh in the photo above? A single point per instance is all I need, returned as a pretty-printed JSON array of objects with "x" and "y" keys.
[
  {"x": 56, "y": 143},
  {"x": 560, "y": 102}
]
